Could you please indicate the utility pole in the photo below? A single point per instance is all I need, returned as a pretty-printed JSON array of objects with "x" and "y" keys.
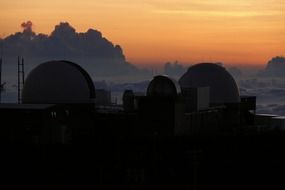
[{"x": 23, "y": 72}]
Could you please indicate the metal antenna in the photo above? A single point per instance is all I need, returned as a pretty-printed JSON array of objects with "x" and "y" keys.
[
  {"x": 1, "y": 60},
  {"x": 23, "y": 72},
  {"x": 21, "y": 78},
  {"x": 19, "y": 87},
  {"x": 1, "y": 87}
]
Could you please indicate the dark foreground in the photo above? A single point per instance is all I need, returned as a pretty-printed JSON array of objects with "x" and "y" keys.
[{"x": 234, "y": 162}]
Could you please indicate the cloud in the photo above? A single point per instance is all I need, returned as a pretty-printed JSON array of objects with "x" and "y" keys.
[
  {"x": 174, "y": 69},
  {"x": 270, "y": 93},
  {"x": 89, "y": 49},
  {"x": 27, "y": 26},
  {"x": 275, "y": 68},
  {"x": 278, "y": 109}
]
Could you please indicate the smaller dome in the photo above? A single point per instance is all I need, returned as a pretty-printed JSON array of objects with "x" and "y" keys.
[
  {"x": 163, "y": 86},
  {"x": 58, "y": 82}
]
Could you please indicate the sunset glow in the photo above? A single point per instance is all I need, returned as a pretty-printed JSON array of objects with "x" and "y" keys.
[{"x": 157, "y": 31}]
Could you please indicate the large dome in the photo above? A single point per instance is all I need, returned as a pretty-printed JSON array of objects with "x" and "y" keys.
[
  {"x": 163, "y": 86},
  {"x": 223, "y": 88},
  {"x": 58, "y": 82}
]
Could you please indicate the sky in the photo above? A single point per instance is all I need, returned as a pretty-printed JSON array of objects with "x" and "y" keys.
[{"x": 157, "y": 31}]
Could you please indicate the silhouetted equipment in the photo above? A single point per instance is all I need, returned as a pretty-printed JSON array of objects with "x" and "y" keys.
[
  {"x": 1, "y": 87},
  {"x": 223, "y": 88},
  {"x": 21, "y": 78},
  {"x": 1, "y": 60},
  {"x": 58, "y": 82},
  {"x": 1, "y": 71},
  {"x": 163, "y": 86},
  {"x": 128, "y": 100},
  {"x": 1, "y": 84}
]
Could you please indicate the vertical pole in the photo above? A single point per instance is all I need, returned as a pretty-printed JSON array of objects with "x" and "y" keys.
[
  {"x": 1, "y": 87},
  {"x": 1, "y": 71},
  {"x": 19, "y": 80},
  {"x": 23, "y": 73}
]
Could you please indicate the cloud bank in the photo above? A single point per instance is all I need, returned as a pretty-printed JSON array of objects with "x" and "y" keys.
[
  {"x": 270, "y": 93},
  {"x": 275, "y": 68},
  {"x": 89, "y": 48}
]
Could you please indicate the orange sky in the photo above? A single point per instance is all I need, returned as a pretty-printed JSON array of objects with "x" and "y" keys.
[{"x": 157, "y": 31}]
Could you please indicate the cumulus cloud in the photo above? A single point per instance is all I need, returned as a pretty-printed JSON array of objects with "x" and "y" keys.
[
  {"x": 27, "y": 27},
  {"x": 89, "y": 48},
  {"x": 275, "y": 67}
]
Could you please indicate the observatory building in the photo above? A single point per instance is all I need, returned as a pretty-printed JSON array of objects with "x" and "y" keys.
[
  {"x": 206, "y": 100},
  {"x": 158, "y": 138},
  {"x": 223, "y": 88},
  {"x": 163, "y": 86},
  {"x": 58, "y": 82}
]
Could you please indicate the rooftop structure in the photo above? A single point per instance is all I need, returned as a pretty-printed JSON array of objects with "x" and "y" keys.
[
  {"x": 58, "y": 82},
  {"x": 223, "y": 88}
]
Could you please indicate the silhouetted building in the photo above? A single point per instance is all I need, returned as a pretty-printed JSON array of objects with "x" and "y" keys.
[
  {"x": 223, "y": 88},
  {"x": 172, "y": 137},
  {"x": 209, "y": 103},
  {"x": 163, "y": 86}
]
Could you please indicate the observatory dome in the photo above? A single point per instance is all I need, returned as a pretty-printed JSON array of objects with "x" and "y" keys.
[
  {"x": 163, "y": 86},
  {"x": 58, "y": 82},
  {"x": 223, "y": 88}
]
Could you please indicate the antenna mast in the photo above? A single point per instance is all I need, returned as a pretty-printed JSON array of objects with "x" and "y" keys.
[
  {"x": 21, "y": 78},
  {"x": 1, "y": 87},
  {"x": 1, "y": 59}
]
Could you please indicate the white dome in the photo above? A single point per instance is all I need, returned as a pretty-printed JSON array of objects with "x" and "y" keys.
[
  {"x": 223, "y": 88},
  {"x": 58, "y": 82},
  {"x": 163, "y": 86}
]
